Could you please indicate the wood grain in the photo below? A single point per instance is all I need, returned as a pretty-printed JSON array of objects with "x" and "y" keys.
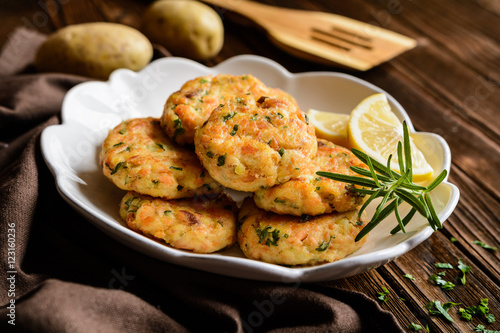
[{"x": 449, "y": 85}]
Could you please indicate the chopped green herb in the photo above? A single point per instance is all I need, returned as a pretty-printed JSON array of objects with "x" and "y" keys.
[
  {"x": 228, "y": 116},
  {"x": 324, "y": 245},
  {"x": 383, "y": 296},
  {"x": 122, "y": 131},
  {"x": 239, "y": 99},
  {"x": 280, "y": 115},
  {"x": 175, "y": 168},
  {"x": 203, "y": 80},
  {"x": 304, "y": 218},
  {"x": 281, "y": 152},
  {"x": 464, "y": 268},
  {"x": 210, "y": 154},
  {"x": 481, "y": 309},
  {"x": 270, "y": 237},
  {"x": 408, "y": 276},
  {"x": 131, "y": 204},
  {"x": 117, "y": 167},
  {"x": 281, "y": 201},
  {"x": 307, "y": 118},
  {"x": 481, "y": 328},
  {"x": 446, "y": 285},
  {"x": 155, "y": 182},
  {"x": 453, "y": 239},
  {"x": 177, "y": 123},
  {"x": 485, "y": 246},
  {"x": 414, "y": 327},
  {"x": 221, "y": 160},
  {"x": 235, "y": 129},
  {"x": 179, "y": 130},
  {"x": 118, "y": 144},
  {"x": 465, "y": 315},
  {"x": 166, "y": 212},
  {"x": 358, "y": 222},
  {"x": 285, "y": 236},
  {"x": 435, "y": 308},
  {"x": 443, "y": 265},
  {"x": 318, "y": 188},
  {"x": 254, "y": 117},
  {"x": 268, "y": 119},
  {"x": 161, "y": 146}
]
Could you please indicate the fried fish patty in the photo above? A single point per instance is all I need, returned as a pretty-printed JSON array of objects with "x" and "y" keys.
[
  {"x": 311, "y": 194},
  {"x": 138, "y": 156},
  {"x": 293, "y": 240},
  {"x": 247, "y": 144},
  {"x": 187, "y": 109},
  {"x": 199, "y": 224}
]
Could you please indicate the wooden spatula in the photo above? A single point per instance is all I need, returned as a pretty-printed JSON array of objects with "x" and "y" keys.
[{"x": 323, "y": 37}]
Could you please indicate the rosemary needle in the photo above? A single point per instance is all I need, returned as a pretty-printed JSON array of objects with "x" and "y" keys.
[{"x": 394, "y": 188}]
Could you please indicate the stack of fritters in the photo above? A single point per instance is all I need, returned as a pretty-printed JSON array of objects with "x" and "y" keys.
[
  {"x": 171, "y": 197},
  {"x": 247, "y": 137}
]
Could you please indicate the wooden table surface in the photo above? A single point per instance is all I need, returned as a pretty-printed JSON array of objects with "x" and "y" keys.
[{"x": 449, "y": 85}]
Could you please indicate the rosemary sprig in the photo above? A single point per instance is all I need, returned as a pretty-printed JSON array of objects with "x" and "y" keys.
[{"x": 394, "y": 188}]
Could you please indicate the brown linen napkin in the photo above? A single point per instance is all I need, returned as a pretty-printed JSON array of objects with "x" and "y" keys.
[{"x": 61, "y": 274}]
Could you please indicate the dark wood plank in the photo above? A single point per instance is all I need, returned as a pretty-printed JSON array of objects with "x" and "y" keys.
[
  {"x": 420, "y": 264},
  {"x": 449, "y": 85}
]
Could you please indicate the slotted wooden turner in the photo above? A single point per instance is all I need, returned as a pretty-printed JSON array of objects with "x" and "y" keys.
[{"x": 323, "y": 37}]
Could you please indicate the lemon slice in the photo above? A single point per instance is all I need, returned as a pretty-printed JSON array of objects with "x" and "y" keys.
[
  {"x": 330, "y": 126},
  {"x": 374, "y": 129}
]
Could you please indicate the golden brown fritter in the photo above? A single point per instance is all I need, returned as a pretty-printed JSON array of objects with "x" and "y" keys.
[
  {"x": 187, "y": 109},
  {"x": 311, "y": 194},
  {"x": 247, "y": 145},
  {"x": 294, "y": 240},
  {"x": 138, "y": 156},
  {"x": 199, "y": 224}
]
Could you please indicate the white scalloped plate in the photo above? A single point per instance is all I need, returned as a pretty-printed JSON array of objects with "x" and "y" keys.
[{"x": 92, "y": 108}]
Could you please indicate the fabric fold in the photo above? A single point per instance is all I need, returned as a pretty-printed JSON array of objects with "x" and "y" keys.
[{"x": 68, "y": 276}]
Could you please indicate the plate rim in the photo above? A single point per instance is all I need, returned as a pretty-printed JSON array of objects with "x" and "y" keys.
[{"x": 273, "y": 272}]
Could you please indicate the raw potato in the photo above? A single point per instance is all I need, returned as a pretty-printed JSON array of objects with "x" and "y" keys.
[
  {"x": 186, "y": 28},
  {"x": 94, "y": 50}
]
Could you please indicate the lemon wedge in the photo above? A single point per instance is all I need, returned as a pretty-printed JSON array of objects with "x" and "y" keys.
[
  {"x": 374, "y": 129},
  {"x": 330, "y": 126}
]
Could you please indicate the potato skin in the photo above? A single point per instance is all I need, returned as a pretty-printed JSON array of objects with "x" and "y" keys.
[
  {"x": 188, "y": 29},
  {"x": 94, "y": 50}
]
